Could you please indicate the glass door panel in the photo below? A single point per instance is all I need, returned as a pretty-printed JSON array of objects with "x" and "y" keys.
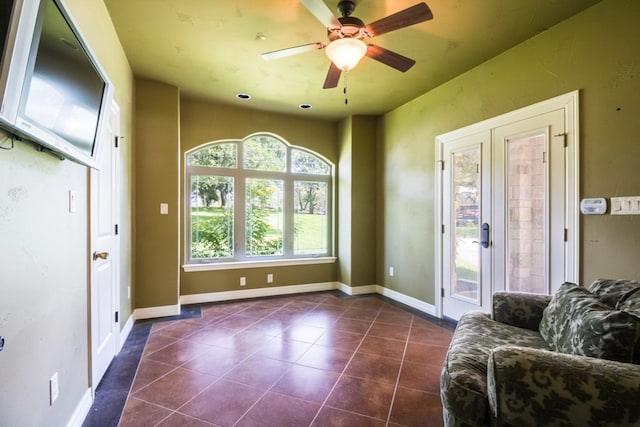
[
  {"x": 466, "y": 278},
  {"x": 465, "y": 282},
  {"x": 526, "y": 214}
]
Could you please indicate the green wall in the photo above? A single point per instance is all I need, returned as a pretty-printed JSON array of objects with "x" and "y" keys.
[
  {"x": 203, "y": 122},
  {"x": 357, "y": 201},
  {"x": 594, "y": 52},
  {"x": 44, "y": 253},
  {"x": 169, "y": 125},
  {"x": 157, "y": 169}
]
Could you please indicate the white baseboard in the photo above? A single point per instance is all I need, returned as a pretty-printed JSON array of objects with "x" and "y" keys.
[
  {"x": 82, "y": 409},
  {"x": 357, "y": 290},
  {"x": 256, "y": 293},
  {"x": 407, "y": 300},
  {"x": 153, "y": 312}
]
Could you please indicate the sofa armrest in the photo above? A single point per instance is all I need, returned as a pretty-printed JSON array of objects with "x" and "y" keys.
[
  {"x": 519, "y": 309},
  {"x": 531, "y": 387}
]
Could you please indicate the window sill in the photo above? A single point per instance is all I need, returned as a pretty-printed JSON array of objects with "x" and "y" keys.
[{"x": 257, "y": 264}]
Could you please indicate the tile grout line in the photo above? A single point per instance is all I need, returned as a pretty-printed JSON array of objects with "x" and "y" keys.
[
  {"x": 212, "y": 323},
  {"x": 404, "y": 353},
  {"x": 306, "y": 312},
  {"x": 281, "y": 376},
  {"x": 324, "y": 402}
]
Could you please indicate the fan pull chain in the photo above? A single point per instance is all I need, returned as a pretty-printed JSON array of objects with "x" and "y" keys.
[{"x": 346, "y": 101}]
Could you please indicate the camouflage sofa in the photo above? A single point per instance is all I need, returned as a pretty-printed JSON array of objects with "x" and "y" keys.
[{"x": 568, "y": 360}]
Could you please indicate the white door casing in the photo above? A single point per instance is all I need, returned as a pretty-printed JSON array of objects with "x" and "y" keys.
[{"x": 104, "y": 256}]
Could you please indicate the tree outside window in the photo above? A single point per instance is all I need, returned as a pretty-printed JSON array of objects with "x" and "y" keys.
[{"x": 284, "y": 211}]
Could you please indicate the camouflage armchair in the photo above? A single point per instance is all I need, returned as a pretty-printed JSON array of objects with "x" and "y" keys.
[{"x": 568, "y": 360}]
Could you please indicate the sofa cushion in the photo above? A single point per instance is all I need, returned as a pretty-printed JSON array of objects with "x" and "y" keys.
[
  {"x": 630, "y": 302},
  {"x": 613, "y": 291},
  {"x": 577, "y": 322}
]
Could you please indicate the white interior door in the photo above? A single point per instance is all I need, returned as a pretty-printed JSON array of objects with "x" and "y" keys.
[
  {"x": 508, "y": 206},
  {"x": 104, "y": 252}
]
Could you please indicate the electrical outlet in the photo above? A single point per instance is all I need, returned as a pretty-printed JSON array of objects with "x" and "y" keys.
[
  {"x": 269, "y": 278},
  {"x": 390, "y": 271},
  {"x": 128, "y": 292},
  {"x": 243, "y": 281},
  {"x": 53, "y": 388}
]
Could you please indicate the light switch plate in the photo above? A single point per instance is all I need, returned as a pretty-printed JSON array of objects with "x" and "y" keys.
[
  {"x": 164, "y": 208},
  {"x": 625, "y": 205}
]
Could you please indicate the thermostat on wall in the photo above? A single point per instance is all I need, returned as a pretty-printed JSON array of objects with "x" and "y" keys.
[{"x": 593, "y": 206}]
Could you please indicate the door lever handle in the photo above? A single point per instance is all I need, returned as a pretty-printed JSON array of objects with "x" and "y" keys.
[
  {"x": 484, "y": 236},
  {"x": 101, "y": 255}
]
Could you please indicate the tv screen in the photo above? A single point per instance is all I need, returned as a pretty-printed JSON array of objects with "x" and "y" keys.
[
  {"x": 64, "y": 92},
  {"x": 5, "y": 18},
  {"x": 53, "y": 90}
]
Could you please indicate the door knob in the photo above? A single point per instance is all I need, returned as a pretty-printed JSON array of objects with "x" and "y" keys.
[{"x": 101, "y": 255}]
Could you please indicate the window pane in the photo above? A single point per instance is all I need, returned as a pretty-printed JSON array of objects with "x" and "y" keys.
[
  {"x": 211, "y": 217},
  {"x": 264, "y": 227},
  {"x": 311, "y": 221},
  {"x": 265, "y": 153},
  {"x": 216, "y": 155},
  {"x": 466, "y": 196},
  {"x": 303, "y": 162}
]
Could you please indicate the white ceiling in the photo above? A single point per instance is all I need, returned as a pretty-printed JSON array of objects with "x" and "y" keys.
[{"x": 212, "y": 48}]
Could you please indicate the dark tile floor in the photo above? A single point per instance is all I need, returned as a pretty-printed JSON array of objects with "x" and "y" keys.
[{"x": 307, "y": 360}]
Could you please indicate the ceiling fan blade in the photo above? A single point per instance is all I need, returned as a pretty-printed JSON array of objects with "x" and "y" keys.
[
  {"x": 276, "y": 54},
  {"x": 321, "y": 12},
  {"x": 333, "y": 77},
  {"x": 412, "y": 15},
  {"x": 390, "y": 58}
]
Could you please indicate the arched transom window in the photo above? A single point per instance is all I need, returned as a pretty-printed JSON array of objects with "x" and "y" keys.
[{"x": 258, "y": 198}]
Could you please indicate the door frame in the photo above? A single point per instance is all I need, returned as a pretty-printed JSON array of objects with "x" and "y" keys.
[{"x": 569, "y": 103}]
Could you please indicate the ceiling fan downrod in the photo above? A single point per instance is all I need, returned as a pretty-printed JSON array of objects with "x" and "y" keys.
[{"x": 346, "y": 7}]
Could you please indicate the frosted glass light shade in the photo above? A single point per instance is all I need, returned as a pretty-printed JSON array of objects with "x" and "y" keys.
[{"x": 346, "y": 53}]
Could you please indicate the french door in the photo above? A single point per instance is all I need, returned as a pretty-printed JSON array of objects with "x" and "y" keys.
[{"x": 508, "y": 208}]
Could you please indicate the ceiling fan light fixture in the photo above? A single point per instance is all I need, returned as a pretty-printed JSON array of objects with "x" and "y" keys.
[{"x": 346, "y": 52}]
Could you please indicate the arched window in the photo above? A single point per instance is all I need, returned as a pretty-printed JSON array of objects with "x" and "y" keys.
[{"x": 259, "y": 198}]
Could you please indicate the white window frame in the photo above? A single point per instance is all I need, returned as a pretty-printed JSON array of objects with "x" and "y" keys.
[{"x": 240, "y": 260}]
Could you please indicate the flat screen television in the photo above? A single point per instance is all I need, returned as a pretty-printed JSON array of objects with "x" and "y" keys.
[{"x": 52, "y": 88}]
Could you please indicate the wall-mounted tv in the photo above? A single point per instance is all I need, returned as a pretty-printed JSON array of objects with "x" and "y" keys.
[{"x": 52, "y": 88}]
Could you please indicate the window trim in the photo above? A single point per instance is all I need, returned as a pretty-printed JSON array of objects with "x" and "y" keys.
[
  {"x": 234, "y": 265},
  {"x": 239, "y": 174}
]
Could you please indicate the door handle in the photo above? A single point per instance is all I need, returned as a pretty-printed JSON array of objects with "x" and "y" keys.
[
  {"x": 101, "y": 255},
  {"x": 484, "y": 236}
]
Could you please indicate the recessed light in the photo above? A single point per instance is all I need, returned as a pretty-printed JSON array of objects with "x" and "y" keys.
[
  {"x": 305, "y": 106},
  {"x": 243, "y": 96}
]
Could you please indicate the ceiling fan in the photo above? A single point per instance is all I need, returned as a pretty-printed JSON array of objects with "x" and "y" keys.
[{"x": 346, "y": 34}]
